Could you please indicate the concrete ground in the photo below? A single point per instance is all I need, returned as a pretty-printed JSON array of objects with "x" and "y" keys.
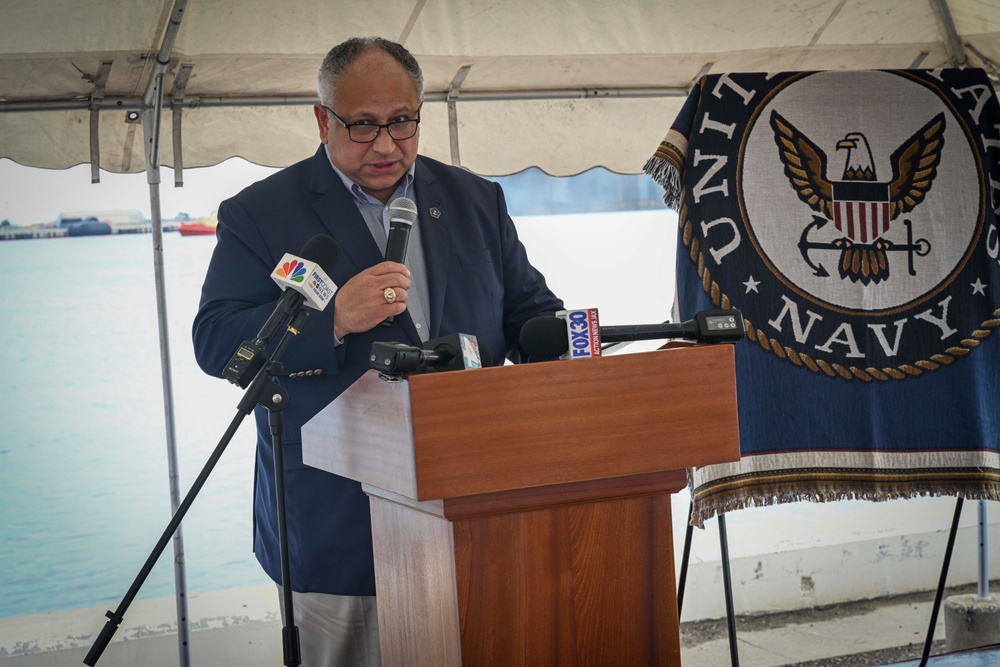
[
  {"x": 886, "y": 631},
  {"x": 882, "y": 632}
]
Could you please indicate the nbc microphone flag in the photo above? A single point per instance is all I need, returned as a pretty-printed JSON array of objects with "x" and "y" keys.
[{"x": 305, "y": 277}]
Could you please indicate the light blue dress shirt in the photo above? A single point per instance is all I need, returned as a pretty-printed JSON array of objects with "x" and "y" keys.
[{"x": 376, "y": 216}]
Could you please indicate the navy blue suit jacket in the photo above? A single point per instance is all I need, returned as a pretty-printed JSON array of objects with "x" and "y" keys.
[{"x": 480, "y": 282}]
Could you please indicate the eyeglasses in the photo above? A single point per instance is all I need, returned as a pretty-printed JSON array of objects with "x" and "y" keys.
[{"x": 365, "y": 132}]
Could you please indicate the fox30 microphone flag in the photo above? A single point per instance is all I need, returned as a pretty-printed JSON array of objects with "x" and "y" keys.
[
  {"x": 851, "y": 217},
  {"x": 584, "y": 331}
]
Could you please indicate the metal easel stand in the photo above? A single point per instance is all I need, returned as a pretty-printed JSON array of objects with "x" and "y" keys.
[
  {"x": 727, "y": 580},
  {"x": 978, "y": 618},
  {"x": 941, "y": 581}
]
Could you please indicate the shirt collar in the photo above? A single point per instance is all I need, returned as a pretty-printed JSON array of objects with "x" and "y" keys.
[{"x": 405, "y": 185}]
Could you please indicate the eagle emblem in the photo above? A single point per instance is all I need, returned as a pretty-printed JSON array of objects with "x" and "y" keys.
[{"x": 860, "y": 205}]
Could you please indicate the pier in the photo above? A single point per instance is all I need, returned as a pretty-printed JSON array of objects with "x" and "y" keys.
[{"x": 16, "y": 233}]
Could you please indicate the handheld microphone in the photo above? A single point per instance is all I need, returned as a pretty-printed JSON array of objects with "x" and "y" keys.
[
  {"x": 448, "y": 353},
  {"x": 545, "y": 338},
  {"x": 305, "y": 280},
  {"x": 402, "y": 215}
]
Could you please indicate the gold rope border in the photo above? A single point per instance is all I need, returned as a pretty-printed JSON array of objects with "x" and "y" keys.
[{"x": 774, "y": 346}]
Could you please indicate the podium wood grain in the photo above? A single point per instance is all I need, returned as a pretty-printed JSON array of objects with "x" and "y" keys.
[
  {"x": 521, "y": 515},
  {"x": 441, "y": 435}
]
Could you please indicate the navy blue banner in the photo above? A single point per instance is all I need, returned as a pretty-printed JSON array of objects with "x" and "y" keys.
[{"x": 852, "y": 218}]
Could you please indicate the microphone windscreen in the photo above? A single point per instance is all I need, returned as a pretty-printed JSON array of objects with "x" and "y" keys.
[
  {"x": 544, "y": 337},
  {"x": 403, "y": 209},
  {"x": 324, "y": 250}
]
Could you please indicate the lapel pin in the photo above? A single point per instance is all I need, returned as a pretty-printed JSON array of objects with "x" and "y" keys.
[{"x": 434, "y": 211}]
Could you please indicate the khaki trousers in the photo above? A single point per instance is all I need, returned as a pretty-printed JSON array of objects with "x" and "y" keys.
[{"x": 335, "y": 630}]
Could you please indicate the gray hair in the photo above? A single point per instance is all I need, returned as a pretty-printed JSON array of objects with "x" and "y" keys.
[{"x": 342, "y": 55}]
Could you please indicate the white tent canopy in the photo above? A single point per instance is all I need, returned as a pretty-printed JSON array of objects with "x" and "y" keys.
[{"x": 564, "y": 85}]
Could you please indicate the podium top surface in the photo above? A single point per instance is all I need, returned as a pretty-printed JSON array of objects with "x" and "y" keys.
[{"x": 443, "y": 435}]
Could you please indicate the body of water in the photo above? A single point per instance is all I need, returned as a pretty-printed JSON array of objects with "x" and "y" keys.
[
  {"x": 83, "y": 454},
  {"x": 84, "y": 492}
]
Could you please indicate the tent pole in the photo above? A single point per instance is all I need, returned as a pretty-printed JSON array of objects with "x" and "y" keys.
[
  {"x": 152, "y": 119},
  {"x": 949, "y": 27},
  {"x": 983, "y": 592},
  {"x": 152, "y": 125}
]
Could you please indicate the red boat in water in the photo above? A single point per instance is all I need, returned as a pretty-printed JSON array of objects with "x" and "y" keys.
[
  {"x": 199, "y": 226},
  {"x": 195, "y": 229}
]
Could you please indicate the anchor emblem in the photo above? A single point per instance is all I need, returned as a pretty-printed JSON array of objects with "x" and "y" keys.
[
  {"x": 859, "y": 205},
  {"x": 871, "y": 258}
]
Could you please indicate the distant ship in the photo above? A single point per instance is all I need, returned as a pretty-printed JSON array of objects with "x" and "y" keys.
[
  {"x": 200, "y": 226},
  {"x": 89, "y": 226}
]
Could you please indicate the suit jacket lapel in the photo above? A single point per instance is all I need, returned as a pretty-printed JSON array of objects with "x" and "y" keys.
[
  {"x": 435, "y": 239},
  {"x": 336, "y": 209}
]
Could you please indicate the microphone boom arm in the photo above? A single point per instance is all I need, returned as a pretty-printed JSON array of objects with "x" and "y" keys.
[{"x": 708, "y": 326}]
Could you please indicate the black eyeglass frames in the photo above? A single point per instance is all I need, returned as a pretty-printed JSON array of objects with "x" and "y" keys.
[{"x": 365, "y": 132}]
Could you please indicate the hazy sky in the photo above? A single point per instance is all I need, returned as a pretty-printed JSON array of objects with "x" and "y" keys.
[{"x": 29, "y": 195}]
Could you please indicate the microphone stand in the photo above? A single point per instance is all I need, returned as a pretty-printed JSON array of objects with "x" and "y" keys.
[
  {"x": 291, "y": 648},
  {"x": 265, "y": 391}
]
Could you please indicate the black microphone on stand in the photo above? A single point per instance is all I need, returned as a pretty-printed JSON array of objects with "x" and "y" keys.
[
  {"x": 402, "y": 215},
  {"x": 547, "y": 338},
  {"x": 305, "y": 280},
  {"x": 449, "y": 353},
  {"x": 544, "y": 338},
  {"x": 708, "y": 326}
]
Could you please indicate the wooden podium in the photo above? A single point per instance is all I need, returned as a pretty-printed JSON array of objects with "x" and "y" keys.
[{"x": 521, "y": 514}]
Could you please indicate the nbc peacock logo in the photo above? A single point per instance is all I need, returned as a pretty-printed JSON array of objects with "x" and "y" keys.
[{"x": 293, "y": 270}]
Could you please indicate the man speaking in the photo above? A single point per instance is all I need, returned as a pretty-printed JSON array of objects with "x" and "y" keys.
[{"x": 465, "y": 271}]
